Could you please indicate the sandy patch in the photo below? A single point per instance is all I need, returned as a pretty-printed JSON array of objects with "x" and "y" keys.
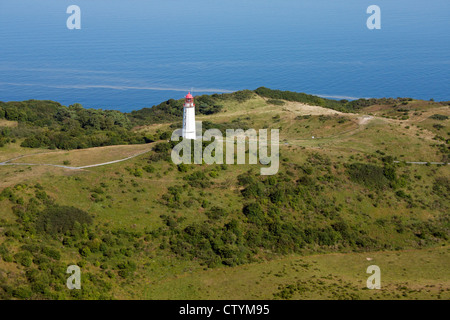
[
  {"x": 7, "y": 123},
  {"x": 305, "y": 109}
]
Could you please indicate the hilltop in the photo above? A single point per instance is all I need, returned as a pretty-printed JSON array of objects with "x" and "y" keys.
[{"x": 146, "y": 228}]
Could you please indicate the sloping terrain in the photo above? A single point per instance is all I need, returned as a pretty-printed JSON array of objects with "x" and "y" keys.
[{"x": 147, "y": 228}]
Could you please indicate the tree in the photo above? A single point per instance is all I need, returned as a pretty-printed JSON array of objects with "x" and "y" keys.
[{"x": 253, "y": 210}]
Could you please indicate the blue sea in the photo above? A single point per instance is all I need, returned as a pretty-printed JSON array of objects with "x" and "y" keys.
[{"x": 131, "y": 54}]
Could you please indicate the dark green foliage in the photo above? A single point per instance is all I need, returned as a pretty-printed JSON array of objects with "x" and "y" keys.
[
  {"x": 6, "y": 136},
  {"x": 5, "y": 253},
  {"x": 253, "y": 211},
  {"x": 402, "y": 194},
  {"x": 162, "y": 151},
  {"x": 51, "y": 253},
  {"x": 39, "y": 255},
  {"x": 22, "y": 292},
  {"x": 212, "y": 246},
  {"x": 162, "y": 147},
  {"x": 85, "y": 251},
  {"x": 254, "y": 188},
  {"x": 49, "y": 124},
  {"x": 275, "y": 102},
  {"x": 208, "y": 105},
  {"x": 33, "y": 111},
  {"x": 172, "y": 110},
  {"x": 298, "y": 97},
  {"x": 126, "y": 269},
  {"x": 209, "y": 109},
  {"x": 61, "y": 219},
  {"x": 239, "y": 96},
  {"x": 283, "y": 216},
  {"x": 439, "y": 117},
  {"x": 198, "y": 179},
  {"x": 137, "y": 172},
  {"x": 165, "y": 135},
  {"x": 216, "y": 213},
  {"x": 172, "y": 198},
  {"x": 149, "y": 169},
  {"x": 441, "y": 187},
  {"x": 369, "y": 175},
  {"x": 24, "y": 258},
  {"x": 235, "y": 124},
  {"x": 8, "y": 193},
  {"x": 389, "y": 172},
  {"x": 182, "y": 167}
]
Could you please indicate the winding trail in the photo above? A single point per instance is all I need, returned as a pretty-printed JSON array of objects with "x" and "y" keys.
[
  {"x": 9, "y": 163},
  {"x": 422, "y": 162}
]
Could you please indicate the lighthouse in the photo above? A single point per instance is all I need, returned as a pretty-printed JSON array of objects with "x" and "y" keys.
[{"x": 189, "y": 118}]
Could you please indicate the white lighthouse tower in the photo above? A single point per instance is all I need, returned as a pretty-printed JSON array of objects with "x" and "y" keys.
[{"x": 189, "y": 118}]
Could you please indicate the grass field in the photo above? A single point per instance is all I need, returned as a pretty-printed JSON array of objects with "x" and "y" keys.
[
  {"x": 411, "y": 274},
  {"x": 83, "y": 157}
]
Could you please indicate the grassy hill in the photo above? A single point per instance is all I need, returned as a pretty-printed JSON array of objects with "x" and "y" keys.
[{"x": 146, "y": 228}]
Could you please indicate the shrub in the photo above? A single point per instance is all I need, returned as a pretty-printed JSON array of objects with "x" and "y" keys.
[
  {"x": 253, "y": 211},
  {"x": 24, "y": 258},
  {"x": 441, "y": 187},
  {"x": 149, "y": 169},
  {"x": 162, "y": 147},
  {"x": 439, "y": 117},
  {"x": 213, "y": 174},
  {"x": 216, "y": 213},
  {"x": 52, "y": 253},
  {"x": 198, "y": 179},
  {"x": 276, "y": 102},
  {"x": 61, "y": 219},
  {"x": 85, "y": 251},
  {"x": 22, "y": 292},
  {"x": 402, "y": 194},
  {"x": 438, "y": 126},
  {"x": 126, "y": 269},
  {"x": 368, "y": 175}
]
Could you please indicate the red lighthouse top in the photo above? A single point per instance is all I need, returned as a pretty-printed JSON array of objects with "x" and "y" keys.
[{"x": 189, "y": 100}]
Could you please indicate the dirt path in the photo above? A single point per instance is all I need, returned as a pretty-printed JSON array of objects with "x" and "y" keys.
[
  {"x": 422, "y": 162},
  {"x": 9, "y": 163}
]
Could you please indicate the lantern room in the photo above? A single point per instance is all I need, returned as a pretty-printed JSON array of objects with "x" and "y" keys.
[{"x": 189, "y": 99}]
